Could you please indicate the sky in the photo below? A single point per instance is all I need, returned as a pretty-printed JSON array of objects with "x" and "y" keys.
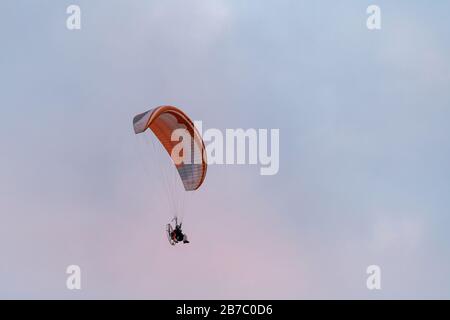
[{"x": 364, "y": 149}]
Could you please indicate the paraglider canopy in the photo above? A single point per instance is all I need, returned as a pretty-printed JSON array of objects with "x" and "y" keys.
[{"x": 163, "y": 122}]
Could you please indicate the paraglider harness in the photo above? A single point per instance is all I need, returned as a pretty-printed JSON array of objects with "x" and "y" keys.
[{"x": 176, "y": 235}]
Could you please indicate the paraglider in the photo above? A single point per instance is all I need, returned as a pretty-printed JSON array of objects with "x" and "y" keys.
[
  {"x": 178, "y": 136},
  {"x": 176, "y": 235}
]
